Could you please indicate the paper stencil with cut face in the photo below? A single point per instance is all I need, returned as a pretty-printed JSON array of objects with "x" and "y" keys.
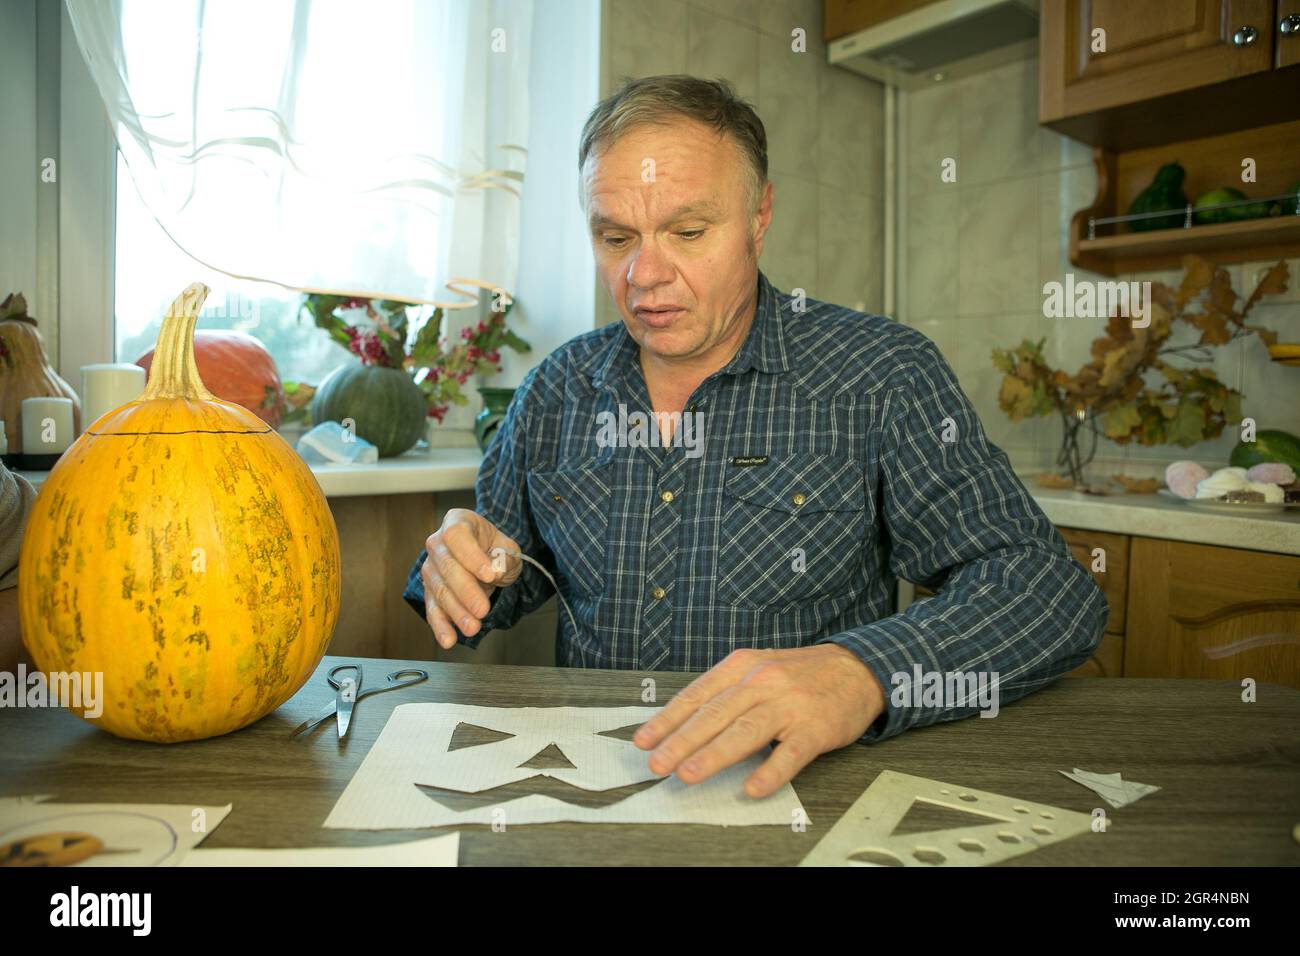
[{"x": 442, "y": 764}]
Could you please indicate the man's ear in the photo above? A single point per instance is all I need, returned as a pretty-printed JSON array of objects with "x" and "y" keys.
[{"x": 762, "y": 219}]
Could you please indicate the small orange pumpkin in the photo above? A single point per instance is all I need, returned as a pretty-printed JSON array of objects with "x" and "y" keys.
[
  {"x": 238, "y": 368},
  {"x": 184, "y": 550}
]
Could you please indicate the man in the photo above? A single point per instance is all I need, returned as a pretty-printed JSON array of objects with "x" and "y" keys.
[{"x": 807, "y": 456}]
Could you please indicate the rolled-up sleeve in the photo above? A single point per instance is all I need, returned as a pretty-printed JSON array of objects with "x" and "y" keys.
[
  {"x": 501, "y": 496},
  {"x": 1010, "y": 599}
]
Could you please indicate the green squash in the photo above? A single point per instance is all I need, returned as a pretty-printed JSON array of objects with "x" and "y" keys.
[
  {"x": 387, "y": 406},
  {"x": 1165, "y": 192},
  {"x": 1270, "y": 444}
]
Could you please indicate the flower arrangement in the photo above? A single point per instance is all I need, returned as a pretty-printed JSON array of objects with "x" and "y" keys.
[
  {"x": 386, "y": 339},
  {"x": 1110, "y": 395}
]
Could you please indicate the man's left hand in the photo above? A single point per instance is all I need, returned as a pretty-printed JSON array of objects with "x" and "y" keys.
[{"x": 809, "y": 699}]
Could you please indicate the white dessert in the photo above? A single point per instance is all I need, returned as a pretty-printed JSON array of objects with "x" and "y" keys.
[
  {"x": 1221, "y": 482},
  {"x": 1272, "y": 493}
]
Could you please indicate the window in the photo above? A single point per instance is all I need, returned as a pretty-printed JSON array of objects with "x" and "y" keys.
[{"x": 150, "y": 270}]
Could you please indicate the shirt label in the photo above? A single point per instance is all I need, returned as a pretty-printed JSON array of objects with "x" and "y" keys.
[{"x": 748, "y": 461}]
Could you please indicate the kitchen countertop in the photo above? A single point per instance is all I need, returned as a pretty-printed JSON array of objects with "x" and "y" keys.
[
  {"x": 418, "y": 470},
  {"x": 1156, "y": 516},
  {"x": 454, "y": 468}
]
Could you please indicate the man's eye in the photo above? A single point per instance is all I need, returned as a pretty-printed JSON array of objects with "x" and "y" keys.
[
  {"x": 691, "y": 233},
  {"x": 615, "y": 242}
]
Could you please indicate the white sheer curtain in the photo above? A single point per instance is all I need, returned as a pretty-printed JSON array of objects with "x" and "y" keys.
[{"x": 374, "y": 148}]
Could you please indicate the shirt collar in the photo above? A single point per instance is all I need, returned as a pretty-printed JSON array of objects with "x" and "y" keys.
[{"x": 764, "y": 347}]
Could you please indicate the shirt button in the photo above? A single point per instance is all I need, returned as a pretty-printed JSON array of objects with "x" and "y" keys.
[
  {"x": 798, "y": 498},
  {"x": 666, "y": 497},
  {"x": 657, "y": 593}
]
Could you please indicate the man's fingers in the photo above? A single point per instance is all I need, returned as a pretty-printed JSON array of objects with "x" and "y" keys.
[
  {"x": 462, "y": 539},
  {"x": 727, "y": 672},
  {"x": 711, "y": 718},
  {"x": 437, "y": 592},
  {"x": 750, "y": 731},
  {"x": 438, "y": 623},
  {"x": 468, "y": 601},
  {"x": 790, "y": 756},
  {"x": 506, "y": 568}
]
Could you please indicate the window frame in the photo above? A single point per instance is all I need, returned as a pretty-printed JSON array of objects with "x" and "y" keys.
[{"x": 81, "y": 234}]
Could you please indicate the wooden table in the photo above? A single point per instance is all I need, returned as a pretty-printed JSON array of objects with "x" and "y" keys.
[{"x": 1229, "y": 771}]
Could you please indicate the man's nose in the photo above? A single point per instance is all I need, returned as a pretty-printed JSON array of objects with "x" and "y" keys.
[{"x": 649, "y": 267}]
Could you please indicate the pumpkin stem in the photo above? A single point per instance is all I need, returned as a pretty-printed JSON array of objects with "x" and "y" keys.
[{"x": 174, "y": 373}]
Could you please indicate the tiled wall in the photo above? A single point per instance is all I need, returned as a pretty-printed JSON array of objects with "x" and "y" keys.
[
  {"x": 976, "y": 253},
  {"x": 824, "y": 127}
]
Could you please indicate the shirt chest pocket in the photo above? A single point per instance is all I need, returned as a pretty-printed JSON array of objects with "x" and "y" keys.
[
  {"x": 793, "y": 529},
  {"x": 570, "y": 507}
]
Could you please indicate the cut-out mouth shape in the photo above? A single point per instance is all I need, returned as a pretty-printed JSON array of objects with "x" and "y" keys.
[{"x": 542, "y": 786}]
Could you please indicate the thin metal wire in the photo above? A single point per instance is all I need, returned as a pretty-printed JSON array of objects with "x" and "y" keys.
[{"x": 538, "y": 565}]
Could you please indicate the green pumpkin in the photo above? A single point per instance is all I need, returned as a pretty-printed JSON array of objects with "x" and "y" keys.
[{"x": 388, "y": 408}]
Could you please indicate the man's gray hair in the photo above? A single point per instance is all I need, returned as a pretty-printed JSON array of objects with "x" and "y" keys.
[{"x": 656, "y": 100}]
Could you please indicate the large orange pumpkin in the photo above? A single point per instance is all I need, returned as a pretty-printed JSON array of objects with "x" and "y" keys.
[{"x": 184, "y": 550}]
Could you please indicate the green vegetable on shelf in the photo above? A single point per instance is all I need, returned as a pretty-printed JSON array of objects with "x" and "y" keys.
[
  {"x": 1289, "y": 205},
  {"x": 1165, "y": 192},
  {"x": 1214, "y": 197}
]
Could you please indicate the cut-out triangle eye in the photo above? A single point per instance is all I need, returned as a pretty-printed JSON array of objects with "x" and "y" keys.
[
  {"x": 471, "y": 735},
  {"x": 549, "y": 758},
  {"x": 621, "y": 733}
]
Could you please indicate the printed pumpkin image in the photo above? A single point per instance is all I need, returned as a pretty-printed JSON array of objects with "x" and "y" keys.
[{"x": 182, "y": 548}]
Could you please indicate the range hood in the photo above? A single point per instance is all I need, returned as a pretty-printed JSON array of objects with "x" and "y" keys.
[{"x": 941, "y": 40}]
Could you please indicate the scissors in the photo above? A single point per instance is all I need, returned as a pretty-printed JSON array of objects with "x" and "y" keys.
[{"x": 347, "y": 691}]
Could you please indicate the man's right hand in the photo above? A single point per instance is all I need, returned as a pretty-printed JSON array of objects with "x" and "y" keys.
[{"x": 459, "y": 575}]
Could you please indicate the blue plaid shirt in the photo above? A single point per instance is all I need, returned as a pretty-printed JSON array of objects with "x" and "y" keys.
[{"x": 839, "y": 453}]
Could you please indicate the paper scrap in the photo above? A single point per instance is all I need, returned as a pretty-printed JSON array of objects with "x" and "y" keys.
[
  {"x": 413, "y": 751},
  {"x": 431, "y": 851},
  {"x": 1111, "y": 787},
  {"x": 132, "y": 834}
]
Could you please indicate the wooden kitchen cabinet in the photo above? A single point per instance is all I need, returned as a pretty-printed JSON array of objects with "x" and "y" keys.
[
  {"x": 1191, "y": 610},
  {"x": 1113, "y": 580},
  {"x": 1201, "y": 611},
  {"x": 1170, "y": 70},
  {"x": 1108, "y": 659},
  {"x": 1151, "y": 49}
]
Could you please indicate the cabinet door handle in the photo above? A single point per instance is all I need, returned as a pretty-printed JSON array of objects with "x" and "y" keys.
[
  {"x": 1290, "y": 24},
  {"x": 1245, "y": 36}
]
